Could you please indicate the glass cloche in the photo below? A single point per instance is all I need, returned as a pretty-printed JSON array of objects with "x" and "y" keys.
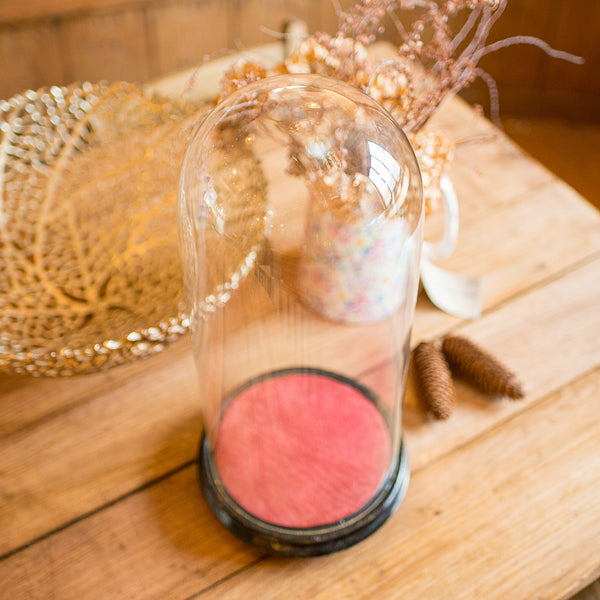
[{"x": 301, "y": 221}]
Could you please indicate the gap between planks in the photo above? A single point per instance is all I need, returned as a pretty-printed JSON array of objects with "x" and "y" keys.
[{"x": 101, "y": 508}]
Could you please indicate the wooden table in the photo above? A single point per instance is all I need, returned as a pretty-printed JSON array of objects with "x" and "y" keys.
[{"x": 98, "y": 490}]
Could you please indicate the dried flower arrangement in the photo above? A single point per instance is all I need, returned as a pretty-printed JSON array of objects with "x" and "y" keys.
[{"x": 431, "y": 63}]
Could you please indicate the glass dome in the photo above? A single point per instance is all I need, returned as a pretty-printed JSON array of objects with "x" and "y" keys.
[{"x": 301, "y": 218}]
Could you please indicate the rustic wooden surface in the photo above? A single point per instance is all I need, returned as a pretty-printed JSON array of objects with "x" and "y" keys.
[{"x": 98, "y": 487}]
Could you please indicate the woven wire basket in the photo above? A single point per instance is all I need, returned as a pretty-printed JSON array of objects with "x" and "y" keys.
[{"x": 89, "y": 266}]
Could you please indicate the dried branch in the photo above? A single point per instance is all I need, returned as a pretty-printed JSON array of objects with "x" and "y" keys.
[
  {"x": 466, "y": 28},
  {"x": 532, "y": 41},
  {"x": 431, "y": 63},
  {"x": 494, "y": 95}
]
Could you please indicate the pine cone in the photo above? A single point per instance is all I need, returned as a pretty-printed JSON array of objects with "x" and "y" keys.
[
  {"x": 435, "y": 380},
  {"x": 469, "y": 361}
]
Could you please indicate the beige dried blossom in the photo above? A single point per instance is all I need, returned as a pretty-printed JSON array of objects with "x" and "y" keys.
[
  {"x": 387, "y": 81},
  {"x": 240, "y": 75},
  {"x": 434, "y": 155},
  {"x": 321, "y": 54}
]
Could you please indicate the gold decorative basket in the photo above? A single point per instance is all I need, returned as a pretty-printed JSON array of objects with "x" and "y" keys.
[{"x": 89, "y": 267}]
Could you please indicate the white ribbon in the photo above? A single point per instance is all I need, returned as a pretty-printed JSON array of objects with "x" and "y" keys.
[{"x": 457, "y": 294}]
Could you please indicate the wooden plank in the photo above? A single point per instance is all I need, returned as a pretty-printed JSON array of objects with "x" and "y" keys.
[
  {"x": 468, "y": 517},
  {"x": 486, "y": 521},
  {"x": 31, "y": 58},
  {"x": 161, "y": 543},
  {"x": 25, "y": 10},
  {"x": 29, "y": 402},
  {"x": 128, "y": 432},
  {"x": 488, "y": 168},
  {"x": 182, "y": 34},
  {"x": 526, "y": 245},
  {"x": 110, "y": 46}
]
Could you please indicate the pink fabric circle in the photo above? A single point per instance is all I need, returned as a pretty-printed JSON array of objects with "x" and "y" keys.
[{"x": 302, "y": 449}]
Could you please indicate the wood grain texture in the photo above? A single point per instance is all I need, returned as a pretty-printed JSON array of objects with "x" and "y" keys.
[
  {"x": 27, "y": 10},
  {"x": 112, "y": 46},
  {"x": 162, "y": 542},
  {"x": 98, "y": 449},
  {"x": 488, "y": 167},
  {"x": 31, "y": 58},
  {"x": 80, "y": 419},
  {"x": 511, "y": 266},
  {"x": 48, "y": 398}
]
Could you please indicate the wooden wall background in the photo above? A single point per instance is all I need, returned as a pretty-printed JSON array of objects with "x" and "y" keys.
[
  {"x": 46, "y": 42},
  {"x": 60, "y": 41}
]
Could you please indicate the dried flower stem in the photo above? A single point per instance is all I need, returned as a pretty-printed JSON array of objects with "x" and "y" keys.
[
  {"x": 432, "y": 62},
  {"x": 532, "y": 41}
]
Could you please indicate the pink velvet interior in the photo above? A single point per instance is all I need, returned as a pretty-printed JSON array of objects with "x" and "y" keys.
[{"x": 302, "y": 449}]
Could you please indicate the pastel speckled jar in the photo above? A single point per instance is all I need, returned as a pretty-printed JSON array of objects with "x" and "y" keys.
[{"x": 354, "y": 272}]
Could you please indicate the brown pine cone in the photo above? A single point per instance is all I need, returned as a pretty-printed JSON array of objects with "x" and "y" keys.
[
  {"x": 434, "y": 379},
  {"x": 478, "y": 367}
]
